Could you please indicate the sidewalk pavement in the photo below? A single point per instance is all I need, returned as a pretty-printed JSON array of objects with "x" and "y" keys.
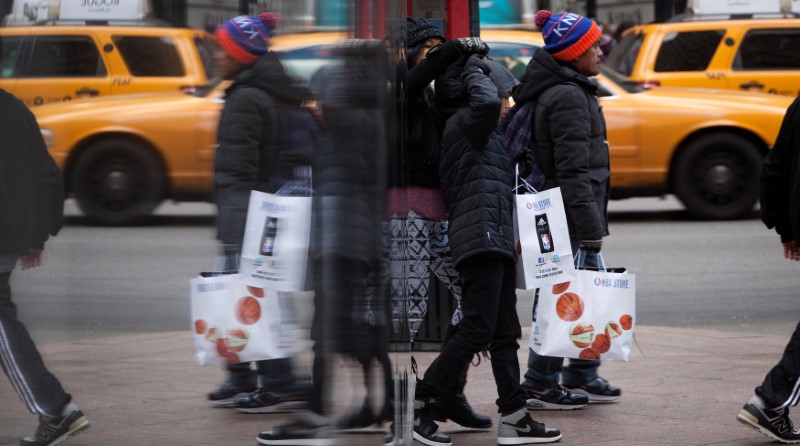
[{"x": 681, "y": 387}]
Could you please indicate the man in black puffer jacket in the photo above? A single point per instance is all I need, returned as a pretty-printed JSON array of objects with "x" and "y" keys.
[
  {"x": 251, "y": 155},
  {"x": 570, "y": 147},
  {"x": 477, "y": 184}
]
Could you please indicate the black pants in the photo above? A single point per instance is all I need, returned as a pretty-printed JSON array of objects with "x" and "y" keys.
[
  {"x": 781, "y": 387},
  {"x": 38, "y": 388},
  {"x": 490, "y": 319}
]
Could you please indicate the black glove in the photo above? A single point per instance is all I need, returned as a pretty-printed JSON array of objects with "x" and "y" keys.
[
  {"x": 526, "y": 162},
  {"x": 591, "y": 245},
  {"x": 476, "y": 63},
  {"x": 472, "y": 45}
]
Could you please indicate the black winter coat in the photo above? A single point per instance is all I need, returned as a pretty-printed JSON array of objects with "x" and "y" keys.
[
  {"x": 779, "y": 193},
  {"x": 250, "y": 154},
  {"x": 31, "y": 186},
  {"x": 475, "y": 172},
  {"x": 569, "y": 141}
]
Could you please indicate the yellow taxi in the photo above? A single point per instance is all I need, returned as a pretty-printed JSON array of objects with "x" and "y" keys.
[
  {"x": 123, "y": 155},
  {"x": 42, "y": 64},
  {"x": 761, "y": 55}
]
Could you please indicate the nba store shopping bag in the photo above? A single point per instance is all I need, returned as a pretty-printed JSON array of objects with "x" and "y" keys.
[
  {"x": 544, "y": 252},
  {"x": 590, "y": 317},
  {"x": 233, "y": 322},
  {"x": 276, "y": 242}
]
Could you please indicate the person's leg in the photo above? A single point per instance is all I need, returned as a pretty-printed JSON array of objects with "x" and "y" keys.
[
  {"x": 39, "y": 389},
  {"x": 768, "y": 410}
]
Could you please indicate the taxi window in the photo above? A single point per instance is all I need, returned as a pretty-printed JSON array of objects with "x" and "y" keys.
[
  {"x": 688, "y": 50},
  {"x": 623, "y": 58},
  {"x": 8, "y": 60},
  {"x": 769, "y": 49},
  {"x": 514, "y": 56},
  {"x": 148, "y": 56},
  {"x": 65, "y": 56},
  {"x": 206, "y": 46}
]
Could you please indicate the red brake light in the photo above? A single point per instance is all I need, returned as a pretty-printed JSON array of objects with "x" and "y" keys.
[
  {"x": 649, "y": 84},
  {"x": 188, "y": 89}
]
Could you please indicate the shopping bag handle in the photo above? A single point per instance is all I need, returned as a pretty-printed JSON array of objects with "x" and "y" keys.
[
  {"x": 580, "y": 260},
  {"x": 524, "y": 184}
]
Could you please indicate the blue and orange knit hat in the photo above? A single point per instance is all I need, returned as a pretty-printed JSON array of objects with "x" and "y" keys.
[
  {"x": 567, "y": 35},
  {"x": 246, "y": 38}
]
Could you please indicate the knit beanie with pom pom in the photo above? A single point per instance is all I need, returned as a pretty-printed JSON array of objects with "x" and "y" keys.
[
  {"x": 246, "y": 38},
  {"x": 567, "y": 35}
]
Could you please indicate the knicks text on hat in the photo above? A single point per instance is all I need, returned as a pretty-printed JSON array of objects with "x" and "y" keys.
[
  {"x": 566, "y": 23},
  {"x": 246, "y": 26}
]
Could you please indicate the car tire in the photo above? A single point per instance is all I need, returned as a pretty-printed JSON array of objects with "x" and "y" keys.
[
  {"x": 117, "y": 182},
  {"x": 716, "y": 176}
]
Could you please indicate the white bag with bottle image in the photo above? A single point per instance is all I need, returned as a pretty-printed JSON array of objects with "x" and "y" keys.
[
  {"x": 276, "y": 242},
  {"x": 544, "y": 252}
]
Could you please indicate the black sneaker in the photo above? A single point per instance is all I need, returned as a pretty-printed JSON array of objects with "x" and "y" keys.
[
  {"x": 271, "y": 402},
  {"x": 774, "y": 424},
  {"x": 224, "y": 395},
  {"x": 363, "y": 417},
  {"x": 52, "y": 431},
  {"x": 308, "y": 429},
  {"x": 458, "y": 410},
  {"x": 426, "y": 431},
  {"x": 520, "y": 428},
  {"x": 557, "y": 398},
  {"x": 598, "y": 390}
]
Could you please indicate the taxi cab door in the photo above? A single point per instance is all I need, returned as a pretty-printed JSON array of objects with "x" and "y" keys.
[
  {"x": 767, "y": 60},
  {"x": 61, "y": 68}
]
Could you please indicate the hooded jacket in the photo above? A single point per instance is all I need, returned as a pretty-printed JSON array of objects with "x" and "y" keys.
[
  {"x": 251, "y": 154},
  {"x": 31, "y": 186},
  {"x": 474, "y": 171},
  {"x": 569, "y": 141}
]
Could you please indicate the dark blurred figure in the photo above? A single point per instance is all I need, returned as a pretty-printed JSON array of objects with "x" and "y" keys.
[
  {"x": 31, "y": 210},
  {"x": 779, "y": 196},
  {"x": 347, "y": 247},
  {"x": 252, "y": 155}
]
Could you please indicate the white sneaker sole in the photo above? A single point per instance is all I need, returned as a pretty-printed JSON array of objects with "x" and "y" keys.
[
  {"x": 534, "y": 404},
  {"x": 527, "y": 440},
  {"x": 424, "y": 440},
  {"x": 751, "y": 421}
]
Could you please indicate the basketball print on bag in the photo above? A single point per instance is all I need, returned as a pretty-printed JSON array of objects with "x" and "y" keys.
[
  {"x": 626, "y": 321},
  {"x": 248, "y": 310},
  {"x": 582, "y": 335},
  {"x": 569, "y": 307}
]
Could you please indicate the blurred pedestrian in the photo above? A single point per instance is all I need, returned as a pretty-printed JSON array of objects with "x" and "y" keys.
[
  {"x": 477, "y": 183},
  {"x": 415, "y": 206},
  {"x": 251, "y": 155},
  {"x": 347, "y": 236},
  {"x": 779, "y": 196},
  {"x": 570, "y": 147},
  {"x": 31, "y": 210}
]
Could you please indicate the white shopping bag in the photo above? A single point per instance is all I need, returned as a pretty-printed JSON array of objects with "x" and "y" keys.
[
  {"x": 590, "y": 317},
  {"x": 233, "y": 322},
  {"x": 276, "y": 242},
  {"x": 544, "y": 252}
]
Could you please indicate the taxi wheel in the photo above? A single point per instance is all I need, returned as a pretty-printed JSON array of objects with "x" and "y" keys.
[
  {"x": 716, "y": 176},
  {"x": 117, "y": 182}
]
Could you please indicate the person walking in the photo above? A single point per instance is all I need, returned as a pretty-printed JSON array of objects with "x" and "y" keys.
[
  {"x": 31, "y": 210},
  {"x": 251, "y": 155},
  {"x": 477, "y": 183},
  {"x": 570, "y": 147},
  {"x": 779, "y": 196}
]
